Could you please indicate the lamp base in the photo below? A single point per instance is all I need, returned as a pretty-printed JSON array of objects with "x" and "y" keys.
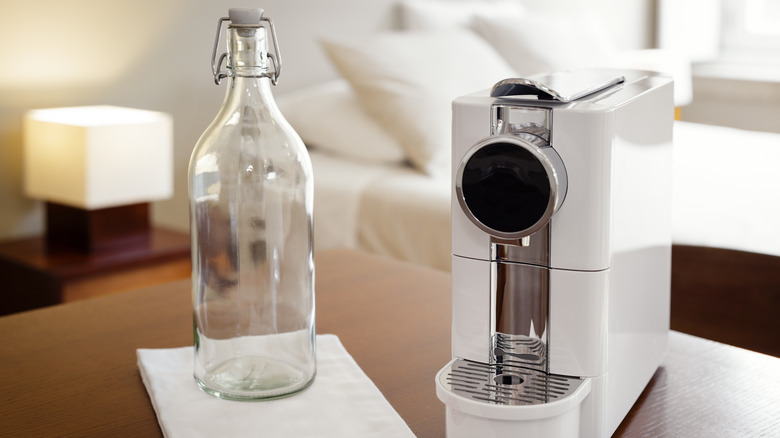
[{"x": 97, "y": 230}]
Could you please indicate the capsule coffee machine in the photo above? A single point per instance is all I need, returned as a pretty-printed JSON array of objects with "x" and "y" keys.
[{"x": 561, "y": 251}]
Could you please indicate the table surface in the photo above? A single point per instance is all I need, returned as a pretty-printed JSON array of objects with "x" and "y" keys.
[
  {"x": 35, "y": 274},
  {"x": 65, "y": 262},
  {"x": 71, "y": 369}
]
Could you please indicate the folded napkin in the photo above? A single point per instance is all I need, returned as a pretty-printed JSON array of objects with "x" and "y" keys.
[{"x": 342, "y": 401}]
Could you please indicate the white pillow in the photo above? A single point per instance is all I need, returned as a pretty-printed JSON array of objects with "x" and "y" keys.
[
  {"x": 328, "y": 117},
  {"x": 448, "y": 15},
  {"x": 539, "y": 43},
  {"x": 407, "y": 80}
]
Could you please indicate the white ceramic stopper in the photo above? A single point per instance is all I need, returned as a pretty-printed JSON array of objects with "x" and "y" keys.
[{"x": 245, "y": 15}]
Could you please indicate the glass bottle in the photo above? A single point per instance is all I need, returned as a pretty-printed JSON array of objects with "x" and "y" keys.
[{"x": 251, "y": 199}]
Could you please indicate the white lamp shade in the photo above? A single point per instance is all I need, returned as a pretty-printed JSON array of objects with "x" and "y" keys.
[{"x": 98, "y": 156}]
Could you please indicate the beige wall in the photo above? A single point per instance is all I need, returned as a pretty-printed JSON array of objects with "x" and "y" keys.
[
  {"x": 156, "y": 55},
  {"x": 746, "y": 104}
]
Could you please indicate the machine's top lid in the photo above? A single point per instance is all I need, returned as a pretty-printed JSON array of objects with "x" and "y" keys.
[{"x": 563, "y": 87}]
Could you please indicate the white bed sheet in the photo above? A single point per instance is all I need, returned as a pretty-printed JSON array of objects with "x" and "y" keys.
[
  {"x": 384, "y": 209},
  {"x": 407, "y": 215},
  {"x": 339, "y": 185},
  {"x": 726, "y": 188},
  {"x": 727, "y": 195}
]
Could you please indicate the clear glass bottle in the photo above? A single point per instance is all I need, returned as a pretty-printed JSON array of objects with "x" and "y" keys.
[{"x": 251, "y": 199}]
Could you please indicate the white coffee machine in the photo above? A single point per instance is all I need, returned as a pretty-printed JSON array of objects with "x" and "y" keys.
[{"x": 561, "y": 252}]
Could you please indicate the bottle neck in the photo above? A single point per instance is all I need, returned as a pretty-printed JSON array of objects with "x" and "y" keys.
[
  {"x": 248, "y": 66},
  {"x": 247, "y": 52}
]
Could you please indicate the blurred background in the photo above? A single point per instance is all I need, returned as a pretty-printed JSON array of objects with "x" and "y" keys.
[{"x": 155, "y": 55}]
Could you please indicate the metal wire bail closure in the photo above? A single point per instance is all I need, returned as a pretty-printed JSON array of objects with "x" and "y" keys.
[{"x": 218, "y": 62}]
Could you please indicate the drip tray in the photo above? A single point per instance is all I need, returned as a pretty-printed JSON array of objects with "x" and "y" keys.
[
  {"x": 509, "y": 401},
  {"x": 505, "y": 384}
]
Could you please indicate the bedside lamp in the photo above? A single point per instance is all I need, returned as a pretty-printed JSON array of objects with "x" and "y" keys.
[{"x": 97, "y": 168}]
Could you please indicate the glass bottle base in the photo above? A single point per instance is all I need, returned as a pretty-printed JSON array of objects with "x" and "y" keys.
[{"x": 253, "y": 378}]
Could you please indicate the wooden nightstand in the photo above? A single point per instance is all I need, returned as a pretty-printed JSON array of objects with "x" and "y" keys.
[{"x": 34, "y": 275}]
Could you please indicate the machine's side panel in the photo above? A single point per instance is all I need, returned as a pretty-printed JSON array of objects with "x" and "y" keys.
[{"x": 641, "y": 239}]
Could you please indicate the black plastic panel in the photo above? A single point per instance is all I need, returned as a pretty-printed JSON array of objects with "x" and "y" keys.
[{"x": 505, "y": 187}]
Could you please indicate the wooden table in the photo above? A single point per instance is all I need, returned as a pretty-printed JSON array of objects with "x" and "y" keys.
[
  {"x": 35, "y": 274},
  {"x": 70, "y": 370}
]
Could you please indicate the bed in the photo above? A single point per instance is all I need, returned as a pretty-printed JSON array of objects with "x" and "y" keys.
[{"x": 379, "y": 139}]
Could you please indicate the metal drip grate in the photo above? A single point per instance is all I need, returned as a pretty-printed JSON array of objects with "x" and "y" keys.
[{"x": 506, "y": 384}]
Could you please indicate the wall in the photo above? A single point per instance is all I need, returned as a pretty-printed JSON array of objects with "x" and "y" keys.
[
  {"x": 155, "y": 55},
  {"x": 740, "y": 102}
]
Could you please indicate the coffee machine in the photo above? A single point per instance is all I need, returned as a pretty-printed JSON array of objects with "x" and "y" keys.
[{"x": 561, "y": 252}]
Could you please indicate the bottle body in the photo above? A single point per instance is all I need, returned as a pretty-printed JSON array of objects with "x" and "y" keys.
[{"x": 251, "y": 200}]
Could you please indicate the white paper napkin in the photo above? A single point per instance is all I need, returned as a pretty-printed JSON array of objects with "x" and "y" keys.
[{"x": 342, "y": 401}]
